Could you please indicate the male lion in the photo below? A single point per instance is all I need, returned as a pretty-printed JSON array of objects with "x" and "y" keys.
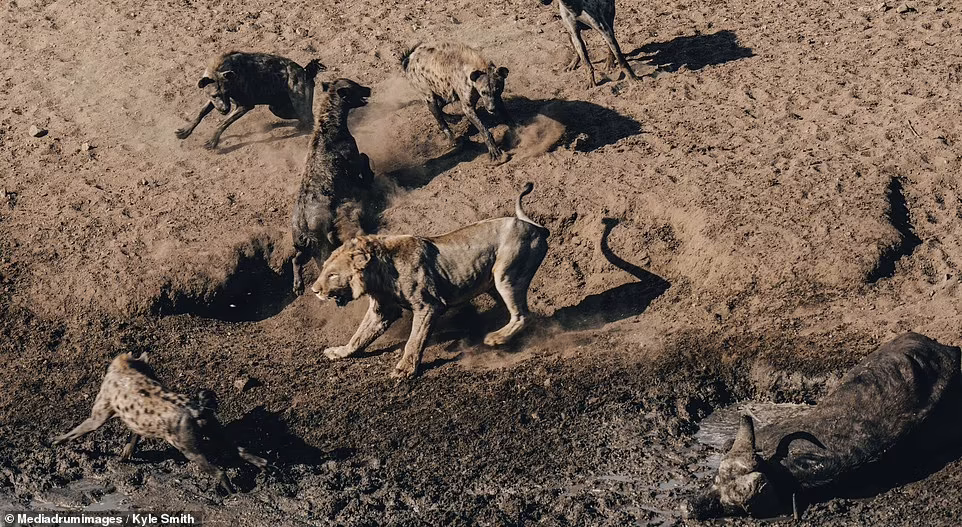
[{"x": 428, "y": 274}]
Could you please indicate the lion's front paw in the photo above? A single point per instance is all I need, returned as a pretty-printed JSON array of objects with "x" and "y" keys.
[
  {"x": 494, "y": 339},
  {"x": 337, "y": 352},
  {"x": 405, "y": 369}
]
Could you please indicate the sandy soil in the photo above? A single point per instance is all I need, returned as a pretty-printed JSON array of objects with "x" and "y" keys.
[{"x": 778, "y": 195}]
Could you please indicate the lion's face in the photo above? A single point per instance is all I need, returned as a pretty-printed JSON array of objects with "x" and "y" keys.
[{"x": 339, "y": 279}]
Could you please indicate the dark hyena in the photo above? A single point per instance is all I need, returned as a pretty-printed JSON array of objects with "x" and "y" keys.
[
  {"x": 250, "y": 79},
  {"x": 448, "y": 72},
  {"x": 336, "y": 175},
  {"x": 131, "y": 391},
  {"x": 600, "y": 16}
]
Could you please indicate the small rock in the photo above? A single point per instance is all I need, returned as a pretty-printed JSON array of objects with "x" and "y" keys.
[
  {"x": 245, "y": 383},
  {"x": 85, "y": 147},
  {"x": 36, "y": 131},
  {"x": 301, "y": 32},
  {"x": 884, "y": 7},
  {"x": 906, "y": 8}
]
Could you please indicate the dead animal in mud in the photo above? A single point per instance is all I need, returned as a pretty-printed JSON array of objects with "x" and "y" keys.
[
  {"x": 599, "y": 15},
  {"x": 328, "y": 209},
  {"x": 448, "y": 72},
  {"x": 901, "y": 402},
  {"x": 131, "y": 391},
  {"x": 251, "y": 79},
  {"x": 429, "y": 274}
]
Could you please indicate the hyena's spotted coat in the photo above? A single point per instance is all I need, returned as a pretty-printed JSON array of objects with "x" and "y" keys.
[
  {"x": 131, "y": 391},
  {"x": 448, "y": 72}
]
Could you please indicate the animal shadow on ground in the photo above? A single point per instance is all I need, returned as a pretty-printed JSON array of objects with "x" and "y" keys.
[
  {"x": 624, "y": 301},
  {"x": 586, "y": 127},
  {"x": 253, "y": 292},
  {"x": 466, "y": 326},
  {"x": 695, "y": 51},
  {"x": 295, "y": 132},
  {"x": 264, "y": 433}
]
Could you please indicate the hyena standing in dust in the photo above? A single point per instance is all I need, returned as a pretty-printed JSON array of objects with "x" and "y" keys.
[
  {"x": 131, "y": 391},
  {"x": 449, "y": 72},
  {"x": 328, "y": 209},
  {"x": 251, "y": 79},
  {"x": 600, "y": 16}
]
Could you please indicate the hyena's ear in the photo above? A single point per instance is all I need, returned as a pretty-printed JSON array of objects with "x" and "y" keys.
[
  {"x": 204, "y": 81},
  {"x": 325, "y": 86},
  {"x": 475, "y": 75},
  {"x": 502, "y": 72}
]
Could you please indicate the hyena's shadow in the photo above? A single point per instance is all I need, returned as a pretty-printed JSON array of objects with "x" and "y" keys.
[
  {"x": 290, "y": 134},
  {"x": 586, "y": 126},
  {"x": 694, "y": 52}
]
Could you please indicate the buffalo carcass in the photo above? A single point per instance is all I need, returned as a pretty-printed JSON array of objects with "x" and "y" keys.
[{"x": 901, "y": 401}]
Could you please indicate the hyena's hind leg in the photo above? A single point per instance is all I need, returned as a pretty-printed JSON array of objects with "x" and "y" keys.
[{"x": 98, "y": 416}]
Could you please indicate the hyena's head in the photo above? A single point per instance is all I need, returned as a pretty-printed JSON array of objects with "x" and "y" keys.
[
  {"x": 350, "y": 94},
  {"x": 216, "y": 86},
  {"x": 489, "y": 84},
  {"x": 342, "y": 275}
]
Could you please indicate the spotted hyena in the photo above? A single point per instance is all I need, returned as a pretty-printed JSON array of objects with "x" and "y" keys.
[
  {"x": 448, "y": 72},
  {"x": 131, "y": 391},
  {"x": 600, "y": 16},
  {"x": 251, "y": 79}
]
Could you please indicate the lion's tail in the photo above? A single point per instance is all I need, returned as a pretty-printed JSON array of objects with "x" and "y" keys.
[{"x": 519, "y": 212}]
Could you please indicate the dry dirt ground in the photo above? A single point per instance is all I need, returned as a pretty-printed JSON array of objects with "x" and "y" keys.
[{"x": 777, "y": 196}]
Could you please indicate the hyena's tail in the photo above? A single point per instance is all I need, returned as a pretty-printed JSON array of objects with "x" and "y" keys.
[
  {"x": 313, "y": 68},
  {"x": 407, "y": 56},
  {"x": 519, "y": 212}
]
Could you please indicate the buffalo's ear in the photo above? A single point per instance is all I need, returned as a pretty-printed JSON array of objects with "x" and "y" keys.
[
  {"x": 502, "y": 72},
  {"x": 204, "y": 81},
  {"x": 475, "y": 75}
]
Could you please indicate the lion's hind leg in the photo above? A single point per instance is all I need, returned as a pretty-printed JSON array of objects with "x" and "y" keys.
[
  {"x": 512, "y": 280},
  {"x": 516, "y": 300}
]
